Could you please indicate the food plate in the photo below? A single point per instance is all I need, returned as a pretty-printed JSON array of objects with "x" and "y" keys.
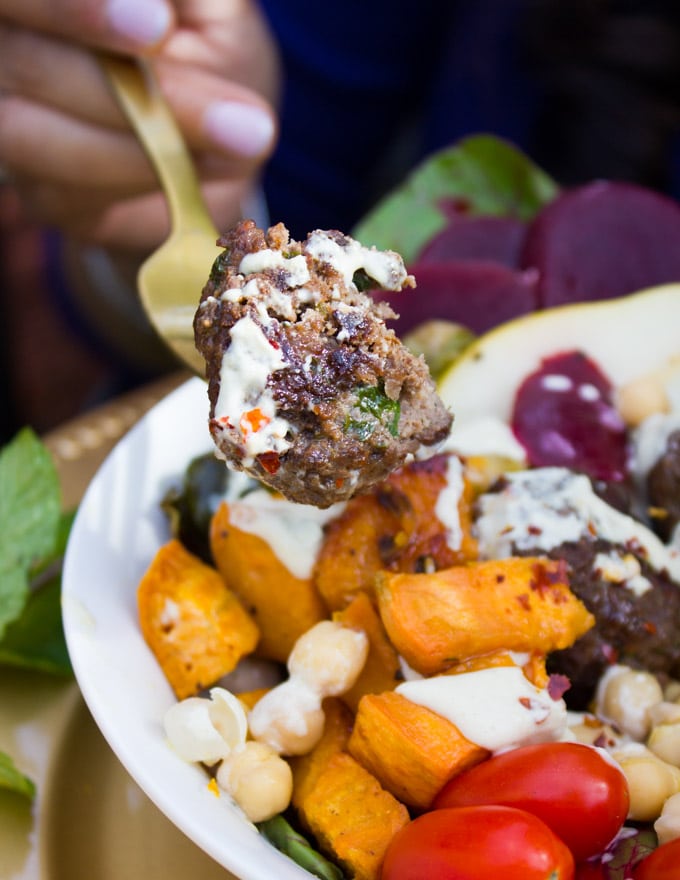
[{"x": 117, "y": 530}]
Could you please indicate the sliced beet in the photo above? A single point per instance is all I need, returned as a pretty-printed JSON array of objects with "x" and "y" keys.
[
  {"x": 603, "y": 240},
  {"x": 498, "y": 239},
  {"x": 477, "y": 294},
  {"x": 564, "y": 416}
]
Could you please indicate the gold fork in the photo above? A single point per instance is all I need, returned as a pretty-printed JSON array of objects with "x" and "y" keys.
[{"x": 171, "y": 279}]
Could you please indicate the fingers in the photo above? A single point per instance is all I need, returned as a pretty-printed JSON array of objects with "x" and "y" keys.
[
  {"x": 217, "y": 114},
  {"x": 56, "y": 73},
  {"x": 40, "y": 142},
  {"x": 122, "y": 25},
  {"x": 138, "y": 224}
]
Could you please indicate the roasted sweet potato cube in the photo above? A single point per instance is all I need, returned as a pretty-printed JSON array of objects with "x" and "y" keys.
[
  {"x": 411, "y": 750},
  {"x": 283, "y": 606},
  {"x": 382, "y": 670},
  {"x": 517, "y": 604},
  {"x": 194, "y": 624},
  {"x": 352, "y": 817},
  {"x": 336, "y": 732},
  {"x": 395, "y": 527}
]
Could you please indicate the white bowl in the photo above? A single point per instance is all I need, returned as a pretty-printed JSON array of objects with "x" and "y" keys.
[{"x": 116, "y": 533}]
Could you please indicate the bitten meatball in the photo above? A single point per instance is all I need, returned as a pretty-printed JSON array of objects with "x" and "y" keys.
[{"x": 310, "y": 392}]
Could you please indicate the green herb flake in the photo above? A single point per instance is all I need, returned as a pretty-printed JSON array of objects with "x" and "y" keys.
[
  {"x": 13, "y": 779},
  {"x": 373, "y": 401}
]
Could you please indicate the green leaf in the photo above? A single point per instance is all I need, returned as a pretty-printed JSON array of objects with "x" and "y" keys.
[
  {"x": 489, "y": 175},
  {"x": 13, "y": 779},
  {"x": 29, "y": 516},
  {"x": 282, "y": 835},
  {"x": 35, "y": 640}
]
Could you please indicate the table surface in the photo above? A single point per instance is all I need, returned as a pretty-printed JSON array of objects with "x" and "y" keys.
[{"x": 89, "y": 821}]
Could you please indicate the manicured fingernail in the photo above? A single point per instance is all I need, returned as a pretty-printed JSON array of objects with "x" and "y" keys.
[
  {"x": 142, "y": 21},
  {"x": 239, "y": 128}
]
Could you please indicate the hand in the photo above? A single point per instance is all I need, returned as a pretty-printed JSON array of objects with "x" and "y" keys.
[{"x": 67, "y": 145}]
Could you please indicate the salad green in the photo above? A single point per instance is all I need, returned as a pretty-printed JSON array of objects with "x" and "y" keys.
[
  {"x": 33, "y": 535},
  {"x": 489, "y": 175}
]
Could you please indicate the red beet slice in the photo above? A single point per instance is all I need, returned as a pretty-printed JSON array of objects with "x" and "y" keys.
[
  {"x": 564, "y": 416},
  {"x": 477, "y": 294},
  {"x": 603, "y": 240},
  {"x": 498, "y": 239}
]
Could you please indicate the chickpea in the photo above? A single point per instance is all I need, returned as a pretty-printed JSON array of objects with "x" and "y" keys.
[
  {"x": 664, "y": 741},
  {"x": 625, "y": 696},
  {"x": 289, "y": 718},
  {"x": 590, "y": 730},
  {"x": 641, "y": 398},
  {"x": 259, "y": 780},
  {"x": 192, "y": 734},
  {"x": 651, "y": 781},
  {"x": 667, "y": 826},
  {"x": 664, "y": 713},
  {"x": 329, "y": 657}
]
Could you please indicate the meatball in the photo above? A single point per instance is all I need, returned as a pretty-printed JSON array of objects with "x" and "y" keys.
[
  {"x": 640, "y": 628},
  {"x": 617, "y": 566},
  {"x": 663, "y": 487},
  {"x": 309, "y": 391}
]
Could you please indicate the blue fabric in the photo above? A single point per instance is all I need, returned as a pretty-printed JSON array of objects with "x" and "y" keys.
[
  {"x": 372, "y": 87},
  {"x": 381, "y": 86}
]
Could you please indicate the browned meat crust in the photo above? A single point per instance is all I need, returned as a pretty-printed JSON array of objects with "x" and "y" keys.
[
  {"x": 338, "y": 402},
  {"x": 663, "y": 486}
]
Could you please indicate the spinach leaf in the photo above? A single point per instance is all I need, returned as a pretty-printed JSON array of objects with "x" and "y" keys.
[
  {"x": 284, "y": 837},
  {"x": 33, "y": 536},
  {"x": 487, "y": 175},
  {"x": 29, "y": 518},
  {"x": 11, "y": 778}
]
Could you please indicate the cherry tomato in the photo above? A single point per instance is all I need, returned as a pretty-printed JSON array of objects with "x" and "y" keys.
[
  {"x": 477, "y": 843},
  {"x": 573, "y": 788},
  {"x": 662, "y": 864}
]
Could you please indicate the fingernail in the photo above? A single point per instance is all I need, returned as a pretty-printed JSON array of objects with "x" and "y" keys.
[
  {"x": 239, "y": 128},
  {"x": 142, "y": 21}
]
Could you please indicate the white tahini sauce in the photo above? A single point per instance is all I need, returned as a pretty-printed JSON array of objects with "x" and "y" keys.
[
  {"x": 295, "y": 268},
  {"x": 246, "y": 365},
  {"x": 446, "y": 508},
  {"x": 542, "y": 508},
  {"x": 496, "y": 708},
  {"x": 385, "y": 267},
  {"x": 485, "y": 435},
  {"x": 293, "y": 531}
]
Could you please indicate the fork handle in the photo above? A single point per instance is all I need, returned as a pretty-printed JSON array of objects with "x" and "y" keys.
[{"x": 136, "y": 88}]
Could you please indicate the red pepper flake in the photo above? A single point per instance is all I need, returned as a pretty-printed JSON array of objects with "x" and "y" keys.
[
  {"x": 500, "y": 578},
  {"x": 601, "y": 741},
  {"x": 253, "y": 421},
  {"x": 523, "y": 600},
  {"x": 558, "y": 685},
  {"x": 526, "y": 702},
  {"x": 650, "y": 627},
  {"x": 339, "y": 483},
  {"x": 534, "y": 530},
  {"x": 270, "y": 461},
  {"x": 610, "y": 653}
]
